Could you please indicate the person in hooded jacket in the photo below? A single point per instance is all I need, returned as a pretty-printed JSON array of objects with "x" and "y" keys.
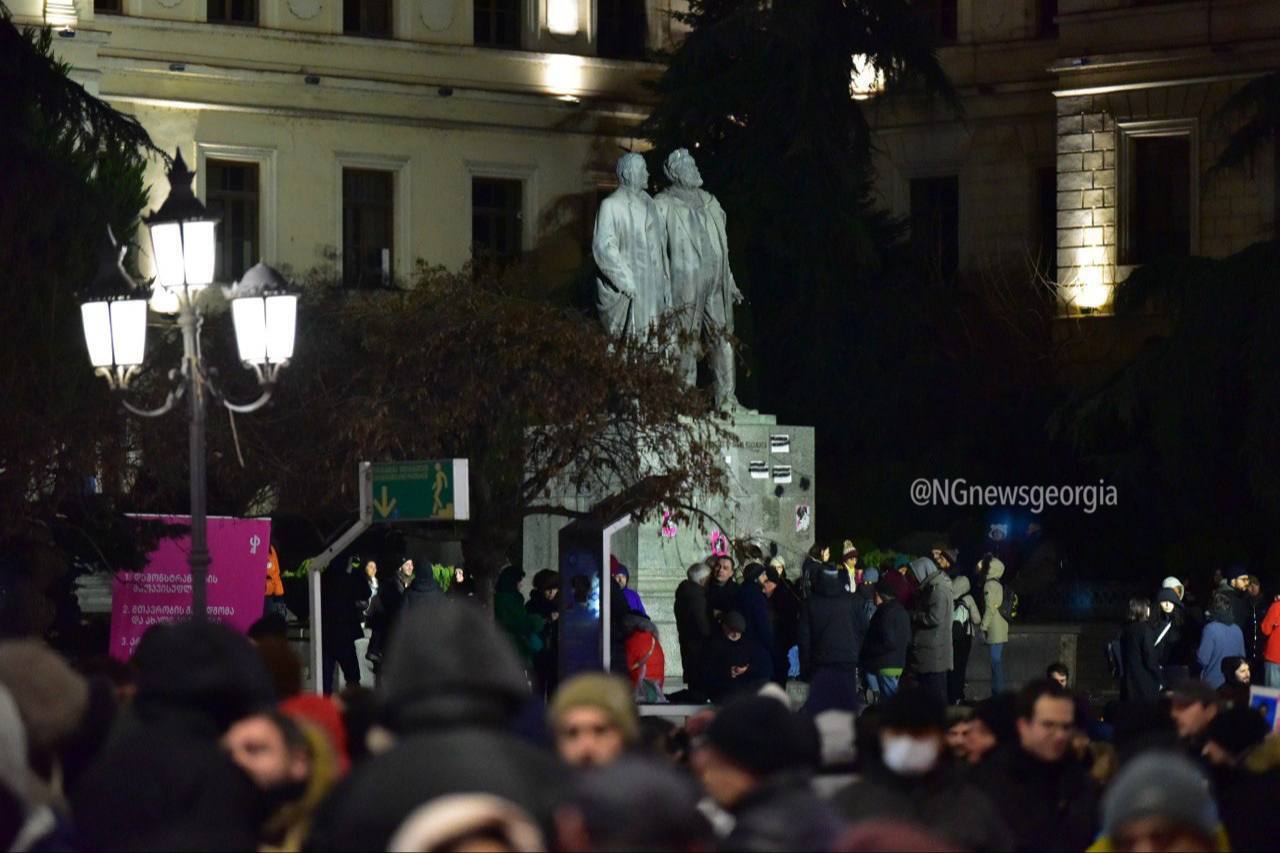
[
  {"x": 833, "y": 625},
  {"x": 162, "y": 782},
  {"x": 1166, "y": 618},
  {"x": 902, "y": 581},
  {"x": 452, "y": 688},
  {"x": 345, "y": 595},
  {"x": 523, "y": 628},
  {"x": 544, "y": 602},
  {"x": 931, "y": 654},
  {"x": 965, "y": 619},
  {"x": 995, "y": 628},
  {"x": 734, "y": 664},
  {"x": 646, "y": 661}
]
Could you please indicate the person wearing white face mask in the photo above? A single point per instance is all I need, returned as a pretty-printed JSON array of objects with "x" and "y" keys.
[{"x": 914, "y": 778}]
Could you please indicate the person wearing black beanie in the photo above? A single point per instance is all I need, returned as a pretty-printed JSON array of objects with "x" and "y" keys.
[{"x": 755, "y": 761}]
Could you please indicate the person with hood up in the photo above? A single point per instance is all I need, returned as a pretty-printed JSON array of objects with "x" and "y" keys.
[
  {"x": 902, "y": 581},
  {"x": 345, "y": 595},
  {"x": 930, "y": 657},
  {"x": 451, "y": 690},
  {"x": 913, "y": 779},
  {"x": 884, "y": 655},
  {"x": 622, "y": 576},
  {"x": 163, "y": 782},
  {"x": 1160, "y": 801},
  {"x": 1222, "y": 638},
  {"x": 693, "y": 627},
  {"x": 995, "y": 628},
  {"x": 522, "y": 627},
  {"x": 965, "y": 619},
  {"x": 833, "y": 625}
]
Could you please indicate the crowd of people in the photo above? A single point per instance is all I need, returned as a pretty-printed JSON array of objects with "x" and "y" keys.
[{"x": 205, "y": 740}]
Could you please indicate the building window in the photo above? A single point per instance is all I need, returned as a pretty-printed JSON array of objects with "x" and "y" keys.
[
  {"x": 622, "y": 28},
  {"x": 232, "y": 193},
  {"x": 107, "y": 7},
  {"x": 939, "y": 17},
  {"x": 1047, "y": 222},
  {"x": 366, "y": 18},
  {"x": 1158, "y": 195},
  {"x": 1047, "y": 24},
  {"x": 935, "y": 226},
  {"x": 497, "y": 218},
  {"x": 497, "y": 23},
  {"x": 368, "y": 221},
  {"x": 233, "y": 11}
]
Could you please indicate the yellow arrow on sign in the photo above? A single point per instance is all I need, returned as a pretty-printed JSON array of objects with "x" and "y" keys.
[{"x": 383, "y": 506}]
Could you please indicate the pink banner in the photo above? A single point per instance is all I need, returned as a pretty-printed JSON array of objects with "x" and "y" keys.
[{"x": 239, "y": 548}]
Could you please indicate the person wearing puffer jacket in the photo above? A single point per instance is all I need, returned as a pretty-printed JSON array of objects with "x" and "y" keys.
[
  {"x": 931, "y": 650},
  {"x": 995, "y": 628}
]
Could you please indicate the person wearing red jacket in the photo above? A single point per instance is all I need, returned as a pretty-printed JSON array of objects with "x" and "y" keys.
[
  {"x": 1271, "y": 654},
  {"x": 645, "y": 660}
]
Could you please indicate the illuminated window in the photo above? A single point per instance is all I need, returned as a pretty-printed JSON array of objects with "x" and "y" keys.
[
  {"x": 497, "y": 218},
  {"x": 367, "y": 18},
  {"x": 1158, "y": 189},
  {"x": 232, "y": 195},
  {"x": 233, "y": 12},
  {"x": 368, "y": 218},
  {"x": 497, "y": 23},
  {"x": 935, "y": 226},
  {"x": 622, "y": 28}
]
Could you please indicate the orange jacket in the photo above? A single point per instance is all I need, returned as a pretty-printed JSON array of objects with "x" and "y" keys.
[
  {"x": 274, "y": 585},
  {"x": 637, "y": 646},
  {"x": 1271, "y": 627}
]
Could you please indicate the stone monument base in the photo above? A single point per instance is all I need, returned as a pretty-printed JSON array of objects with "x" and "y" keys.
[{"x": 771, "y": 499}]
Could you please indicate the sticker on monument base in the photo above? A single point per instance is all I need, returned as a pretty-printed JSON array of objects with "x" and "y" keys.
[
  {"x": 759, "y": 469},
  {"x": 669, "y": 528},
  {"x": 782, "y": 473},
  {"x": 719, "y": 543},
  {"x": 779, "y": 444},
  {"x": 803, "y": 517}
]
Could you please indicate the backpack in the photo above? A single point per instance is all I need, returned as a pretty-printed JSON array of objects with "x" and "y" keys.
[{"x": 1008, "y": 608}]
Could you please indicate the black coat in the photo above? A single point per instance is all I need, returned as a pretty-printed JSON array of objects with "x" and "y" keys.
[
  {"x": 722, "y": 655},
  {"x": 693, "y": 626},
  {"x": 1047, "y": 806},
  {"x": 345, "y": 595},
  {"x": 723, "y": 597},
  {"x": 786, "y": 617},
  {"x": 365, "y": 810},
  {"x": 1140, "y": 681},
  {"x": 832, "y": 626},
  {"x": 888, "y": 637},
  {"x": 942, "y": 800}
]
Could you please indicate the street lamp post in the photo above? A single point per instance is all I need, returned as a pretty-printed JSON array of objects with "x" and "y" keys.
[{"x": 115, "y": 328}]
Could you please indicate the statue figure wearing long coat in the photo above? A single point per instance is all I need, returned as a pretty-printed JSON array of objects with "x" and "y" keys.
[{"x": 633, "y": 289}]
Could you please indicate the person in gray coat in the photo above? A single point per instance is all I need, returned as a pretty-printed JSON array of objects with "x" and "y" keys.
[{"x": 931, "y": 647}]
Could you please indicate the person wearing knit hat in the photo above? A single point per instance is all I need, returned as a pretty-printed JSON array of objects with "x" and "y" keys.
[
  {"x": 593, "y": 718},
  {"x": 849, "y": 564},
  {"x": 1232, "y": 734},
  {"x": 1174, "y": 584},
  {"x": 1160, "y": 801}
]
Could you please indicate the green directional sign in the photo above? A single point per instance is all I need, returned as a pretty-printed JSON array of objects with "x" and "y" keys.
[{"x": 431, "y": 490}]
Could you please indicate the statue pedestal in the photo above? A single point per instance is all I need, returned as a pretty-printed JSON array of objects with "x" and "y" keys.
[{"x": 771, "y": 499}]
